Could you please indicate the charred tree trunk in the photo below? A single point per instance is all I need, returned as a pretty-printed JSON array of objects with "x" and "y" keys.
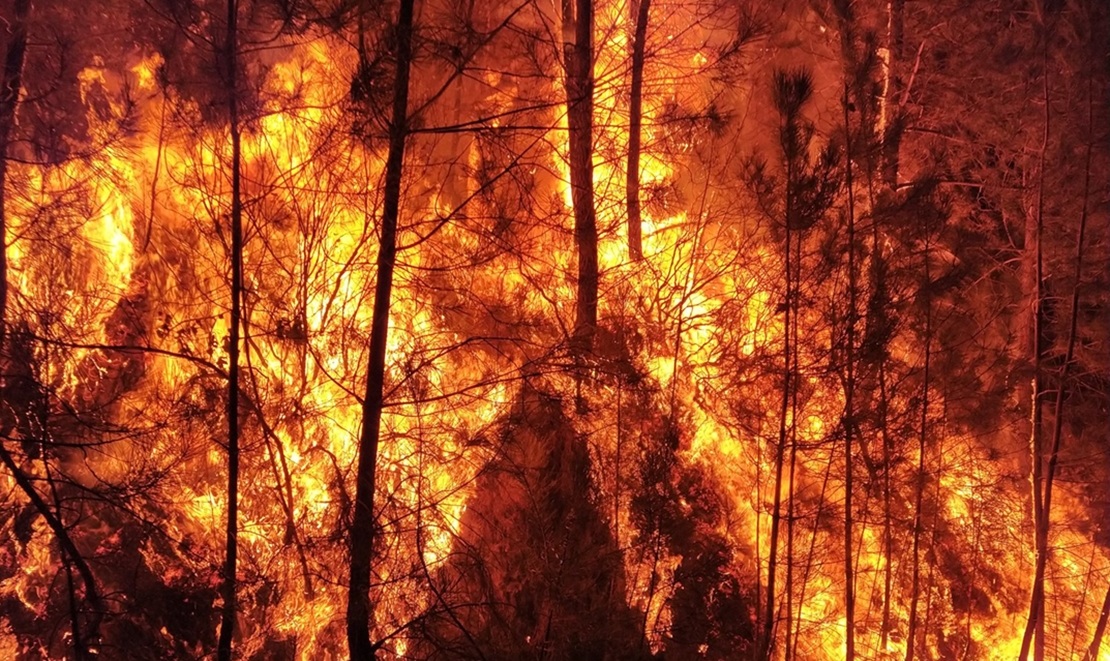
[
  {"x": 363, "y": 526},
  {"x": 578, "y": 51},
  {"x": 791, "y": 472},
  {"x": 635, "y": 123},
  {"x": 1049, "y": 475},
  {"x": 229, "y": 587},
  {"x": 9, "y": 100},
  {"x": 1104, "y": 614},
  {"x": 849, "y": 396},
  {"x": 877, "y": 315},
  {"x": 1100, "y": 629},
  {"x": 878, "y": 281},
  {"x": 919, "y": 493},
  {"x": 791, "y": 92},
  {"x": 892, "y": 86},
  {"x": 1034, "y": 628},
  {"x": 80, "y": 650},
  {"x": 766, "y": 638},
  {"x": 68, "y": 548}
]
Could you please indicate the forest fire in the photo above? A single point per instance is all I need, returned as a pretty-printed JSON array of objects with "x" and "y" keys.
[{"x": 592, "y": 329}]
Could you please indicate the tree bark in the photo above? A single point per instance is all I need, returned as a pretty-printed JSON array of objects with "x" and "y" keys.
[
  {"x": 9, "y": 100},
  {"x": 792, "y": 92},
  {"x": 364, "y": 524},
  {"x": 766, "y": 638},
  {"x": 1034, "y": 628},
  {"x": 788, "y": 135},
  {"x": 1049, "y": 475},
  {"x": 635, "y": 122},
  {"x": 1100, "y": 629},
  {"x": 849, "y": 395},
  {"x": 68, "y": 548},
  {"x": 1104, "y": 614},
  {"x": 579, "y": 88},
  {"x": 229, "y": 587},
  {"x": 919, "y": 494},
  {"x": 888, "y": 461},
  {"x": 892, "y": 134}
]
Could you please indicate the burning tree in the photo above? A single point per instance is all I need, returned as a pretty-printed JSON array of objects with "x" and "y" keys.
[{"x": 678, "y": 329}]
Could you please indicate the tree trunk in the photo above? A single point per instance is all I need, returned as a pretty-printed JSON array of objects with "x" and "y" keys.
[
  {"x": 791, "y": 472},
  {"x": 635, "y": 121},
  {"x": 915, "y": 581},
  {"x": 892, "y": 86},
  {"x": 1034, "y": 628},
  {"x": 1104, "y": 614},
  {"x": 879, "y": 286},
  {"x": 229, "y": 587},
  {"x": 9, "y": 100},
  {"x": 579, "y": 88},
  {"x": 792, "y": 91},
  {"x": 1100, "y": 629},
  {"x": 68, "y": 548},
  {"x": 1062, "y": 384},
  {"x": 849, "y": 395},
  {"x": 364, "y": 523},
  {"x": 766, "y": 638}
]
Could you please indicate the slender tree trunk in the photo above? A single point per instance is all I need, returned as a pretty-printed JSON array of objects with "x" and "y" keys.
[
  {"x": 792, "y": 91},
  {"x": 80, "y": 650},
  {"x": 807, "y": 569},
  {"x": 1062, "y": 383},
  {"x": 68, "y": 548},
  {"x": 635, "y": 121},
  {"x": 767, "y": 636},
  {"x": 9, "y": 100},
  {"x": 892, "y": 85},
  {"x": 1034, "y": 629},
  {"x": 758, "y": 539},
  {"x": 580, "y": 87},
  {"x": 74, "y": 613},
  {"x": 364, "y": 523},
  {"x": 877, "y": 308},
  {"x": 878, "y": 283},
  {"x": 1104, "y": 614},
  {"x": 791, "y": 504},
  {"x": 888, "y": 528},
  {"x": 766, "y": 639},
  {"x": 849, "y": 395},
  {"x": 657, "y": 551},
  {"x": 915, "y": 581},
  {"x": 229, "y": 588},
  {"x": 791, "y": 519},
  {"x": 1100, "y": 629}
]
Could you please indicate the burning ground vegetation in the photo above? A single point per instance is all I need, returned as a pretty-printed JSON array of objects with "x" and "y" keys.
[{"x": 614, "y": 330}]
